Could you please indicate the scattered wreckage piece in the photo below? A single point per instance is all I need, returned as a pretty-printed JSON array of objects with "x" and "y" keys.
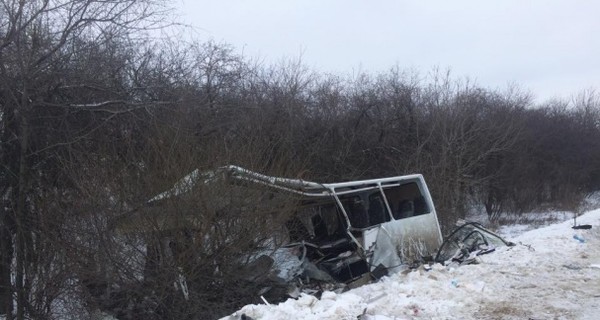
[{"x": 468, "y": 241}]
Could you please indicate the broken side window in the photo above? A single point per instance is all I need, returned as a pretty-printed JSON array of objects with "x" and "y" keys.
[
  {"x": 315, "y": 223},
  {"x": 356, "y": 210},
  {"x": 377, "y": 211},
  {"x": 406, "y": 201},
  {"x": 365, "y": 210},
  {"x": 332, "y": 219}
]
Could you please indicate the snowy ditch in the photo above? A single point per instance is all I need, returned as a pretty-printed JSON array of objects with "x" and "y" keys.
[{"x": 552, "y": 272}]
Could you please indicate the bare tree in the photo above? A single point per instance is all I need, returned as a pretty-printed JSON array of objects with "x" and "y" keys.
[{"x": 39, "y": 38}]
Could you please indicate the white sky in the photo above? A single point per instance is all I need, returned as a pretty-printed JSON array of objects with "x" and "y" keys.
[{"x": 550, "y": 47}]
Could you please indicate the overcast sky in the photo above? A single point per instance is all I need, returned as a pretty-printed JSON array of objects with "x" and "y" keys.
[{"x": 547, "y": 46}]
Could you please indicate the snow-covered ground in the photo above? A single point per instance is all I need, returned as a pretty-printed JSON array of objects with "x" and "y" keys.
[{"x": 549, "y": 275}]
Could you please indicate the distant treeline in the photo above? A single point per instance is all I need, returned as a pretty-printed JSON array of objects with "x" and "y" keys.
[{"x": 95, "y": 120}]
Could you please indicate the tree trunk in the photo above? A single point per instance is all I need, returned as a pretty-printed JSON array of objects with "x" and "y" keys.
[
  {"x": 6, "y": 256},
  {"x": 10, "y": 158},
  {"x": 21, "y": 214}
]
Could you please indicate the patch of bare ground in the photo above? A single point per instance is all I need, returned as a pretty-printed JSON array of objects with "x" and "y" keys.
[{"x": 509, "y": 310}]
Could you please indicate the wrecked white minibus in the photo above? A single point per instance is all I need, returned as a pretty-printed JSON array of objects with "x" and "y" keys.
[
  {"x": 351, "y": 229},
  {"x": 348, "y": 232}
]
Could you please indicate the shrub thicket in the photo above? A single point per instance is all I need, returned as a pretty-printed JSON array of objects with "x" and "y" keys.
[{"x": 94, "y": 122}]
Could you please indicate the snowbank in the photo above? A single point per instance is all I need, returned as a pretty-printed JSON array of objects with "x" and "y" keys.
[{"x": 549, "y": 274}]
